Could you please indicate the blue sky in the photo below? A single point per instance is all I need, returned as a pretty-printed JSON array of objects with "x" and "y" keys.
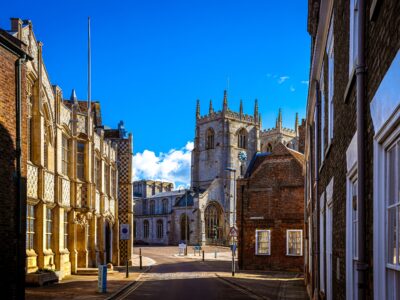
[{"x": 151, "y": 60}]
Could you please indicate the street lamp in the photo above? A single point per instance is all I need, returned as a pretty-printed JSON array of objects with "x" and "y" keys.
[
  {"x": 186, "y": 220},
  {"x": 242, "y": 156}
]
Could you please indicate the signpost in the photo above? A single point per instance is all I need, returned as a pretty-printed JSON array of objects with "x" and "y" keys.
[
  {"x": 182, "y": 248},
  {"x": 125, "y": 235},
  {"x": 102, "y": 279}
]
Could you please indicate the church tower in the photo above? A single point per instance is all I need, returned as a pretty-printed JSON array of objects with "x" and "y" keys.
[{"x": 219, "y": 138}]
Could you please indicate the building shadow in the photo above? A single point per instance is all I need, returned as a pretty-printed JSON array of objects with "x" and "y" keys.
[{"x": 12, "y": 232}]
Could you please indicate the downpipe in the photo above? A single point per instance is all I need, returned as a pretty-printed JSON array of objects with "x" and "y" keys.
[{"x": 360, "y": 77}]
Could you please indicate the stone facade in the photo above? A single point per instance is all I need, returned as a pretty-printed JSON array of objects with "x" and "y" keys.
[
  {"x": 12, "y": 211},
  {"x": 219, "y": 138},
  {"x": 270, "y": 211},
  {"x": 147, "y": 188},
  {"x": 160, "y": 218},
  {"x": 349, "y": 163},
  {"x": 73, "y": 185}
]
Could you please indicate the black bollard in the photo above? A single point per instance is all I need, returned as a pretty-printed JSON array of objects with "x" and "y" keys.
[
  {"x": 127, "y": 269},
  {"x": 140, "y": 258},
  {"x": 203, "y": 255}
]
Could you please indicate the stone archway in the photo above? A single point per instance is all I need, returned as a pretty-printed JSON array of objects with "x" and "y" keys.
[{"x": 214, "y": 225}]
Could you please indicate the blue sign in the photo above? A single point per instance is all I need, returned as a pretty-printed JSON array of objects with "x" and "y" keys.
[{"x": 102, "y": 280}]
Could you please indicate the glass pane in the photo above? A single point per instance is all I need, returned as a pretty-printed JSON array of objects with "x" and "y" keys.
[
  {"x": 391, "y": 176},
  {"x": 392, "y": 233}
]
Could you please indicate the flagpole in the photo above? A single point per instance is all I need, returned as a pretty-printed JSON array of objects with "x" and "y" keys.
[{"x": 89, "y": 69}]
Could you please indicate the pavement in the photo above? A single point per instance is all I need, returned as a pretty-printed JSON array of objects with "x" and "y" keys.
[{"x": 171, "y": 276}]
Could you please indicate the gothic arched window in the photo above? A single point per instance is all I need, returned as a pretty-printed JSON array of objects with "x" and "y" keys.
[
  {"x": 210, "y": 139},
  {"x": 185, "y": 228},
  {"x": 152, "y": 207},
  {"x": 242, "y": 138},
  {"x": 213, "y": 219},
  {"x": 269, "y": 148},
  {"x": 160, "y": 229},
  {"x": 145, "y": 229},
  {"x": 164, "y": 206}
]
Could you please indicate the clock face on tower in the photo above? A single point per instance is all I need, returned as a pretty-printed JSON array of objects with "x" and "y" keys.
[{"x": 242, "y": 156}]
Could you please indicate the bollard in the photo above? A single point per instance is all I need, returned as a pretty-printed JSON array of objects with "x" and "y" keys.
[
  {"x": 215, "y": 253},
  {"x": 127, "y": 269},
  {"x": 140, "y": 258},
  {"x": 203, "y": 255}
]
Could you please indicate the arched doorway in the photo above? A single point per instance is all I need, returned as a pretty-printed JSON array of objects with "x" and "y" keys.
[
  {"x": 213, "y": 223},
  {"x": 108, "y": 242},
  {"x": 185, "y": 228}
]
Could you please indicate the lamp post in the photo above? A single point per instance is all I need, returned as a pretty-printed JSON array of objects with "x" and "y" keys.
[
  {"x": 186, "y": 220},
  {"x": 242, "y": 156}
]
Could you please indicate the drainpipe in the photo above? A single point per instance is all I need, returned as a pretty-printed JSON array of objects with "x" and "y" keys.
[
  {"x": 360, "y": 77},
  {"x": 20, "y": 199},
  {"x": 316, "y": 138}
]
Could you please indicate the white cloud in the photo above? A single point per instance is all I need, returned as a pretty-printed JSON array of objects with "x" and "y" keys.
[
  {"x": 304, "y": 82},
  {"x": 173, "y": 166},
  {"x": 292, "y": 89},
  {"x": 282, "y": 79}
]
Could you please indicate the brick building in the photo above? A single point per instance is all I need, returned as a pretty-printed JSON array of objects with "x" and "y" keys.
[
  {"x": 13, "y": 56},
  {"x": 352, "y": 150},
  {"x": 77, "y": 172},
  {"x": 270, "y": 211}
]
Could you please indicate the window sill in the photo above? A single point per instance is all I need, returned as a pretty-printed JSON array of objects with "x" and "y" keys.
[
  {"x": 31, "y": 253},
  {"x": 48, "y": 252},
  {"x": 294, "y": 255},
  {"x": 349, "y": 84},
  {"x": 261, "y": 254}
]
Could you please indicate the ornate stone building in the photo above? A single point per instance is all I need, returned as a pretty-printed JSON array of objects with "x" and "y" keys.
[
  {"x": 219, "y": 138},
  {"x": 73, "y": 182},
  {"x": 163, "y": 217}
]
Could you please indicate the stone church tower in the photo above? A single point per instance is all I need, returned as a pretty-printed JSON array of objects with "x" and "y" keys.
[{"x": 219, "y": 138}]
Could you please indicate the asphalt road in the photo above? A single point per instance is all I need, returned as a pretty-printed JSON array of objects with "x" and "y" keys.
[{"x": 182, "y": 278}]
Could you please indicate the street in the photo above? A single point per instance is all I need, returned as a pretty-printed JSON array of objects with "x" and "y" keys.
[{"x": 174, "y": 277}]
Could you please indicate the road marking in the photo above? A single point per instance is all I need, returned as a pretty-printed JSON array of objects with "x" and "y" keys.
[{"x": 240, "y": 289}]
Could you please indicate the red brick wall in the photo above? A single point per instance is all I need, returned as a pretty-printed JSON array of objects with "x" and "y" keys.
[
  {"x": 8, "y": 207},
  {"x": 275, "y": 192}
]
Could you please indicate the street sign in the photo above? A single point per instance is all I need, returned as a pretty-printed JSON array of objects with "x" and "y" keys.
[
  {"x": 182, "y": 247},
  {"x": 124, "y": 232},
  {"x": 233, "y": 232}
]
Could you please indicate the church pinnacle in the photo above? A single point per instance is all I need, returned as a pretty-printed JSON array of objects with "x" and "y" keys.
[
  {"x": 198, "y": 109},
  {"x": 225, "y": 102},
  {"x": 211, "y": 109},
  {"x": 256, "y": 110},
  {"x": 241, "y": 107}
]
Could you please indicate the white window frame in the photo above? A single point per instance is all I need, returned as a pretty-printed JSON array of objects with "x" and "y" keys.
[
  {"x": 322, "y": 243},
  {"x": 351, "y": 237},
  {"x": 331, "y": 79},
  {"x": 388, "y": 134},
  {"x": 353, "y": 42},
  {"x": 288, "y": 231},
  {"x": 322, "y": 97},
  {"x": 269, "y": 241},
  {"x": 329, "y": 240}
]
